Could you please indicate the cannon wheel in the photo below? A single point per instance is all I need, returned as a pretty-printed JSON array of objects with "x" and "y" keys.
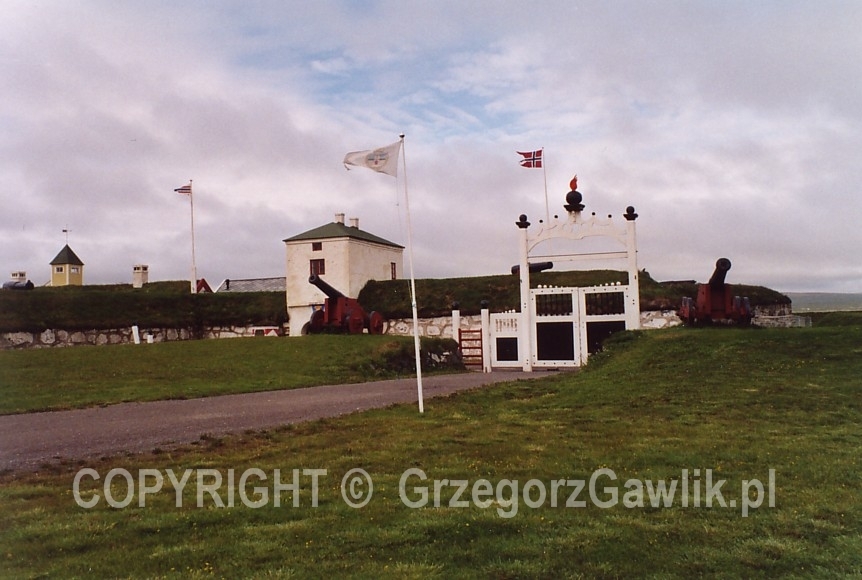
[
  {"x": 353, "y": 322},
  {"x": 687, "y": 311},
  {"x": 376, "y": 322},
  {"x": 316, "y": 322}
]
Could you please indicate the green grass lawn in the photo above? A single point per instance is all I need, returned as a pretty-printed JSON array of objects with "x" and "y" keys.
[
  {"x": 51, "y": 379},
  {"x": 737, "y": 402}
]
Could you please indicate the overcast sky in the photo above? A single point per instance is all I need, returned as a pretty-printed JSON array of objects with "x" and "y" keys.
[{"x": 733, "y": 127}]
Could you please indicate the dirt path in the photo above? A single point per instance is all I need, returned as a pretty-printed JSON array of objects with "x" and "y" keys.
[{"x": 31, "y": 440}]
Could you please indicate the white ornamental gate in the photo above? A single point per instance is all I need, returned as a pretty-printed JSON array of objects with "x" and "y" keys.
[
  {"x": 563, "y": 326},
  {"x": 556, "y": 336},
  {"x": 569, "y": 324},
  {"x": 560, "y": 327}
]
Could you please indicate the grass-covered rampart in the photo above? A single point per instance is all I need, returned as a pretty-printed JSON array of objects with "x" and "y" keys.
[
  {"x": 436, "y": 296},
  {"x": 159, "y": 304},
  {"x": 169, "y": 304}
]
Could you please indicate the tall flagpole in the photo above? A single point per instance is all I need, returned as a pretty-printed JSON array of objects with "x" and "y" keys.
[
  {"x": 416, "y": 344},
  {"x": 545, "y": 174},
  {"x": 194, "y": 280}
]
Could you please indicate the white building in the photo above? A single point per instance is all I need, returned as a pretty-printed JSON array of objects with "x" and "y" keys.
[
  {"x": 140, "y": 275},
  {"x": 344, "y": 256}
]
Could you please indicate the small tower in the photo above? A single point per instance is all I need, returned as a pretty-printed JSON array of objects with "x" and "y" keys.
[
  {"x": 19, "y": 276},
  {"x": 140, "y": 275},
  {"x": 67, "y": 269}
]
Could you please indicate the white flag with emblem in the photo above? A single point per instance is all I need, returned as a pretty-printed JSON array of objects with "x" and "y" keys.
[{"x": 382, "y": 160}]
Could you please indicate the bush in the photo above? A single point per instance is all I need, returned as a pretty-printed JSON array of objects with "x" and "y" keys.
[{"x": 398, "y": 356}]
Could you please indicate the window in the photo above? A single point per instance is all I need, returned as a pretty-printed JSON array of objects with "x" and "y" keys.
[
  {"x": 605, "y": 303},
  {"x": 393, "y": 271},
  {"x": 316, "y": 246},
  {"x": 554, "y": 304},
  {"x": 58, "y": 269},
  {"x": 74, "y": 270},
  {"x": 318, "y": 267}
]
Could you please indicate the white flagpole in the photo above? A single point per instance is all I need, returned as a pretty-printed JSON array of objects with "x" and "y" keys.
[
  {"x": 545, "y": 173},
  {"x": 416, "y": 343},
  {"x": 194, "y": 280}
]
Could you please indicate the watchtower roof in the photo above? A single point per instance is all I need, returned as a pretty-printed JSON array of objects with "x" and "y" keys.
[{"x": 67, "y": 256}]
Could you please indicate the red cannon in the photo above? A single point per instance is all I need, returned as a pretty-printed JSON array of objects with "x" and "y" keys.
[
  {"x": 341, "y": 314},
  {"x": 716, "y": 302}
]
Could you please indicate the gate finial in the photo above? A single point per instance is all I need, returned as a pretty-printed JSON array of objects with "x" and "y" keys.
[{"x": 574, "y": 197}]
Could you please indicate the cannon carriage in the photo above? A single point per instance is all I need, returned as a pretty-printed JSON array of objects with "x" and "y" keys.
[
  {"x": 716, "y": 301},
  {"x": 341, "y": 314}
]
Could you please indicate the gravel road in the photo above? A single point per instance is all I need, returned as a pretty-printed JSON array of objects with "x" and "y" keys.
[{"x": 31, "y": 440}]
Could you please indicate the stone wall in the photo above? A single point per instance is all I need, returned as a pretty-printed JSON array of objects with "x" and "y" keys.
[
  {"x": 782, "y": 321},
  {"x": 61, "y": 338},
  {"x": 651, "y": 319},
  {"x": 778, "y": 315},
  {"x": 440, "y": 327},
  {"x": 772, "y": 316},
  {"x": 773, "y": 310}
]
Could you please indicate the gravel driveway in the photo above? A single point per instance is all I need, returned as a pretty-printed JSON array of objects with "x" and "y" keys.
[{"x": 31, "y": 440}]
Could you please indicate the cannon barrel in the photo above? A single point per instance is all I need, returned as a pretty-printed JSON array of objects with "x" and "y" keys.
[
  {"x": 722, "y": 265},
  {"x": 324, "y": 287},
  {"x": 534, "y": 267}
]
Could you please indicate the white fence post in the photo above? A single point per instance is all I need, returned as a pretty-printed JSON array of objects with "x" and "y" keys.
[{"x": 486, "y": 338}]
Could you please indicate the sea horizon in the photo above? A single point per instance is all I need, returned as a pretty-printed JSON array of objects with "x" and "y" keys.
[{"x": 825, "y": 301}]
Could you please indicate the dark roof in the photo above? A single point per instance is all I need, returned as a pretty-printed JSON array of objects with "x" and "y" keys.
[
  {"x": 253, "y": 285},
  {"x": 18, "y": 285},
  {"x": 339, "y": 230},
  {"x": 67, "y": 256}
]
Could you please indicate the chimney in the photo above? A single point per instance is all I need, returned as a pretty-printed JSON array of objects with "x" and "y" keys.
[
  {"x": 354, "y": 223},
  {"x": 140, "y": 275},
  {"x": 339, "y": 218}
]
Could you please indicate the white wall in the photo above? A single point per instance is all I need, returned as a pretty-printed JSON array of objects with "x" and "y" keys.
[
  {"x": 299, "y": 254},
  {"x": 371, "y": 262}
]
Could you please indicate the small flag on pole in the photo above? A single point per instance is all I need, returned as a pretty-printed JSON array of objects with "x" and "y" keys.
[
  {"x": 185, "y": 190},
  {"x": 385, "y": 160},
  {"x": 381, "y": 160},
  {"x": 531, "y": 158}
]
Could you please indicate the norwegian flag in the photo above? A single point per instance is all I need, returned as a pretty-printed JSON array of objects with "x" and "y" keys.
[{"x": 531, "y": 158}]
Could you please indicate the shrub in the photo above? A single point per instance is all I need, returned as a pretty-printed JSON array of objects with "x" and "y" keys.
[{"x": 398, "y": 356}]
